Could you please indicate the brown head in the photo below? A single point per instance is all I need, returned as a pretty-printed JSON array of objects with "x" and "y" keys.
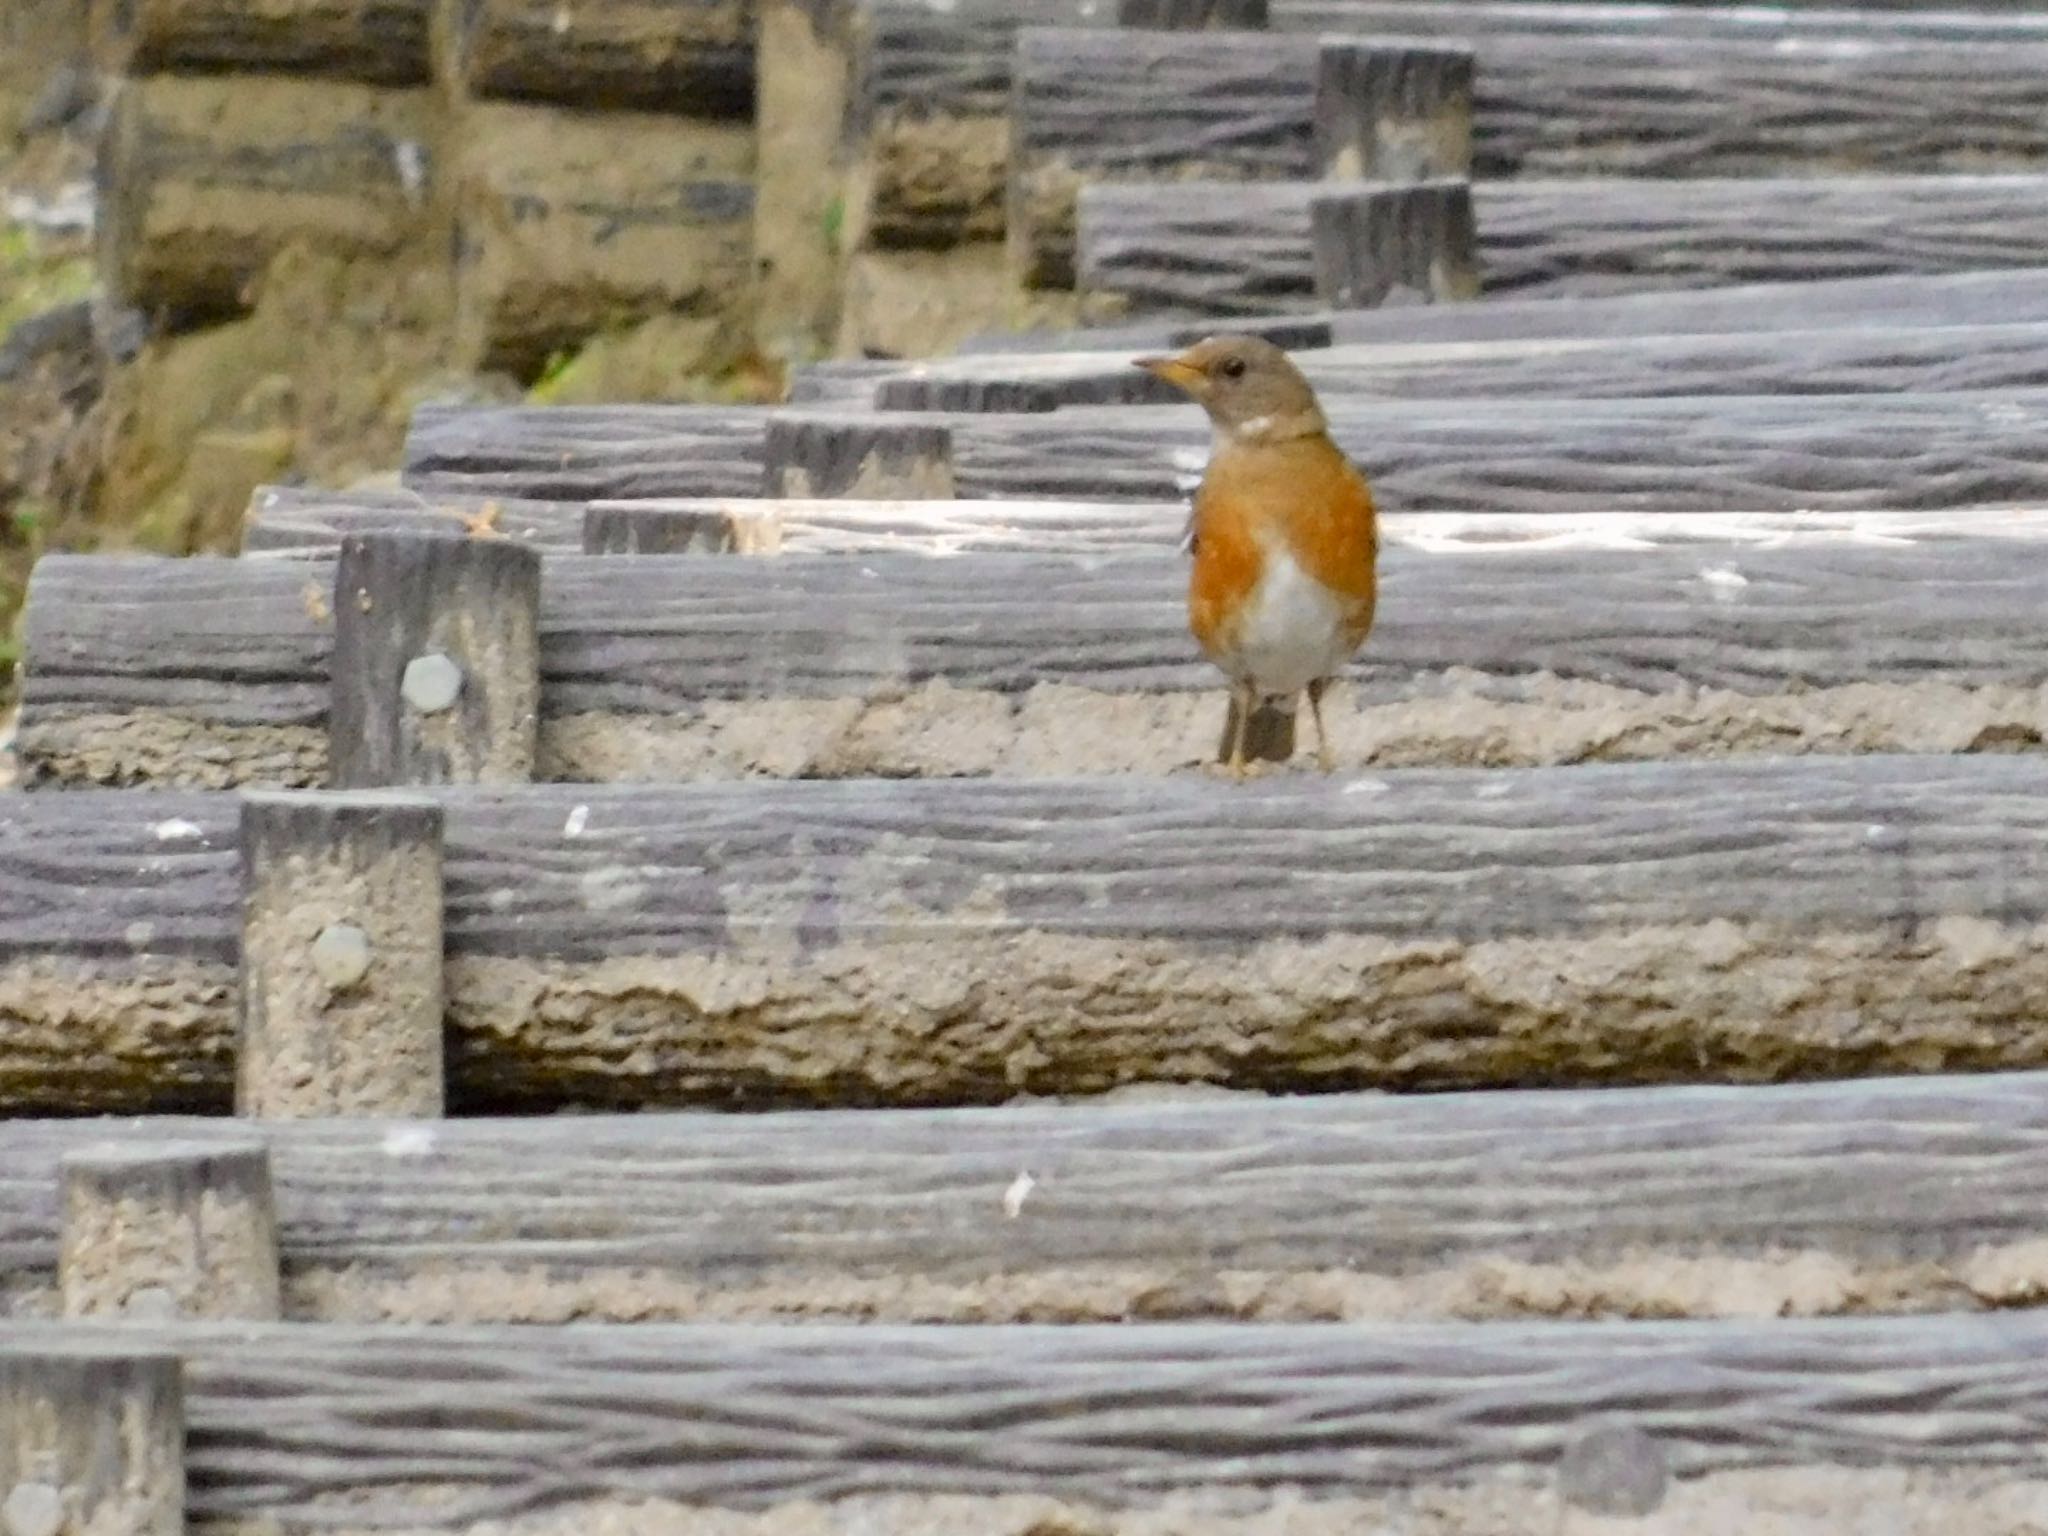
[{"x": 1249, "y": 387}]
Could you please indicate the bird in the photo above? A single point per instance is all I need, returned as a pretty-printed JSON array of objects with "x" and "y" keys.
[{"x": 1285, "y": 542}]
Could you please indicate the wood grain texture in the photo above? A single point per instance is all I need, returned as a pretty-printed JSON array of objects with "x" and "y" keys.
[
  {"x": 1851, "y": 360},
  {"x": 1670, "y": 105},
  {"x": 311, "y": 524},
  {"x": 1886, "y": 21},
  {"x": 410, "y": 1428},
  {"x": 1728, "y": 454},
  {"x": 1824, "y": 452},
  {"x": 694, "y": 57},
  {"x": 1092, "y": 104},
  {"x": 381, "y": 42},
  {"x": 2015, "y": 296},
  {"x": 203, "y": 181},
  {"x": 111, "y": 637},
  {"x": 828, "y": 943},
  {"x": 1876, "y": 1172},
  {"x": 580, "y": 453},
  {"x": 288, "y": 520},
  {"x": 1189, "y": 249}
]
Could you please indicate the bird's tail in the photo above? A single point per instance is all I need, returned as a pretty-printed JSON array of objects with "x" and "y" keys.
[{"x": 1268, "y": 735}]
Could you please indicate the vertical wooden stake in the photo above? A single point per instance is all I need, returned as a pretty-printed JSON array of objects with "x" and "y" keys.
[
  {"x": 654, "y": 528},
  {"x": 1390, "y": 109},
  {"x": 860, "y": 458},
  {"x": 436, "y": 661},
  {"x": 805, "y": 72},
  {"x": 1395, "y": 245},
  {"x": 169, "y": 1230},
  {"x": 91, "y": 1440},
  {"x": 342, "y": 999}
]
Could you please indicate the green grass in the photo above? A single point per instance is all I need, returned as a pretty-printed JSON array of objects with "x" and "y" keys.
[{"x": 38, "y": 273}]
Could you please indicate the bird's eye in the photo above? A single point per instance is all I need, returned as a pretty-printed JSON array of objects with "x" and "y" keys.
[{"x": 1233, "y": 367}]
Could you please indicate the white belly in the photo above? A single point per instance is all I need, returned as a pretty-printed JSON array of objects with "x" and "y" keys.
[{"x": 1293, "y": 629}]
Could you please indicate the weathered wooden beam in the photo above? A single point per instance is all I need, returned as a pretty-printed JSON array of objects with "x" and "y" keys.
[
  {"x": 310, "y": 524},
  {"x": 1189, "y": 248},
  {"x": 1999, "y": 297},
  {"x": 888, "y": 1427},
  {"x": 92, "y": 1435},
  {"x": 1851, "y": 360},
  {"x": 1537, "y": 455},
  {"x": 1710, "y": 1201},
  {"x": 693, "y": 57},
  {"x": 570, "y": 223},
  {"x": 204, "y": 180},
  {"x": 381, "y": 42},
  {"x": 1792, "y": 25},
  {"x": 581, "y": 453},
  {"x": 1725, "y": 454},
  {"x": 169, "y": 1228},
  {"x": 1094, "y": 105},
  {"x": 341, "y": 992},
  {"x": 436, "y": 665},
  {"x": 289, "y": 520},
  {"x": 1682, "y": 635},
  {"x": 828, "y": 943}
]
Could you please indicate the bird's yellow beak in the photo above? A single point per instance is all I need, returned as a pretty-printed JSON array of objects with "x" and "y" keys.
[{"x": 1177, "y": 371}]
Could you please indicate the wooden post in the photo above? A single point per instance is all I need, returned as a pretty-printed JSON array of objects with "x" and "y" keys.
[
  {"x": 1395, "y": 245},
  {"x": 1393, "y": 110},
  {"x": 805, "y": 73},
  {"x": 169, "y": 1229},
  {"x": 91, "y": 1440},
  {"x": 1191, "y": 15},
  {"x": 628, "y": 528},
  {"x": 341, "y": 1006},
  {"x": 436, "y": 672},
  {"x": 864, "y": 458}
]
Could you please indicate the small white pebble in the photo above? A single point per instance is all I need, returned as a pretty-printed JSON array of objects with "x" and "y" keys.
[
  {"x": 1018, "y": 1192},
  {"x": 1365, "y": 786},
  {"x": 139, "y": 933},
  {"x": 579, "y": 818},
  {"x": 409, "y": 1141},
  {"x": 177, "y": 830}
]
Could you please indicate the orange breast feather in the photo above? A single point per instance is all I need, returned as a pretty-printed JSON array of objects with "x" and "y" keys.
[{"x": 1302, "y": 495}]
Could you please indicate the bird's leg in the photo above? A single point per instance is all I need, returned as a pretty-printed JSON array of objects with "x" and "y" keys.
[
  {"x": 1245, "y": 700},
  {"x": 1315, "y": 708}
]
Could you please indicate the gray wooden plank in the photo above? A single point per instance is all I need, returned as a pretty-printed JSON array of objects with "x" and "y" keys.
[
  {"x": 1190, "y": 1200},
  {"x": 1186, "y": 248},
  {"x": 1869, "y": 359},
  {"x": 442, "y": 1428},
  {"x": 283, "y": 520},
  {"x": 1771, "y": 610},
  {"x": 2001, "y": 297},
  {"x": 1728, "y": 453},
  {"x": 577, "y": 453},
  {"x": 827, "y": 943}
]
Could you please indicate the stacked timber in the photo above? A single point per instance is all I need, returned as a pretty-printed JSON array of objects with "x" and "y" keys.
[{"x": 820, "y": 799}]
